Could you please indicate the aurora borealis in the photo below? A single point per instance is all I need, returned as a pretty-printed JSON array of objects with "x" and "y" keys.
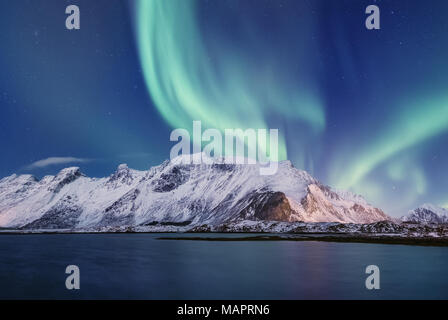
[
  {"x": 360, "y": 110},
  {"x": 189, "y": 79}
]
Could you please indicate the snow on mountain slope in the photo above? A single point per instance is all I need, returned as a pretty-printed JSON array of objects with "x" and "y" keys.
[
  {"x": 176, "y": 192},
  {"x": 427, "y": 213}
]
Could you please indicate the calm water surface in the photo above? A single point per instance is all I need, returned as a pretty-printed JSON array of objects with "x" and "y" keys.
[{"x": 138, "y": 266}]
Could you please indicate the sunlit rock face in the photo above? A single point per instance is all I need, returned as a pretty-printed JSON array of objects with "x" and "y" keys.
[{"x": 321, "y": 204}]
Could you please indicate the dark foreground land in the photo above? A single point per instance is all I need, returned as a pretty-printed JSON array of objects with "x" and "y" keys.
[{"x": 419, "y": 241}]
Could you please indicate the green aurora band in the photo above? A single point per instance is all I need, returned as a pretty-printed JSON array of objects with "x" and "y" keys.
[
  {"x": 185, "y": 84},
  {"x": 417, "y": 123},
  {"x": 392, "y": 150}
]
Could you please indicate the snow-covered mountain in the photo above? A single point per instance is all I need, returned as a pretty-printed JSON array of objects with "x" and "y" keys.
[
  {"x": 176, "y": 193},
  {"x": 427, "y": 213}
]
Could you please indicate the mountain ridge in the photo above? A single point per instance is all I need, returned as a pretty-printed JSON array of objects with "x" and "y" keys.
[
  {"x": 427, "y": 213},
  {"x": 177, "y": 191}
]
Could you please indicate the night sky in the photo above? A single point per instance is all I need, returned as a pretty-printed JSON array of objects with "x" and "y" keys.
[{"x": 362, "y": 110}]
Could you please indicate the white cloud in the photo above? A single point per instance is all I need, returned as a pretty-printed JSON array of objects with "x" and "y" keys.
[{"x": 55, "y": 161}]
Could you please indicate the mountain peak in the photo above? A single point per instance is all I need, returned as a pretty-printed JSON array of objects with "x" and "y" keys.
[
  {"x": 427, "y": 213},
  {"x": 70, "y": 171},
  {"x": 122, "y": 167},
  {"x": 124, "y": 175},
  {"x": 434, "y": 208}
]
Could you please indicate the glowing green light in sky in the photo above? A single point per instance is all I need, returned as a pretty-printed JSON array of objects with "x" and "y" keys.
[
  {"x": 227, "y": 90},
  {"x": 415, "y": 124}
]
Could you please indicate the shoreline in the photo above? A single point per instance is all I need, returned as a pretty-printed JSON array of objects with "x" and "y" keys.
[
  {"x": 416, "y": 241},
  {"x": 265, "y": 236}
]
